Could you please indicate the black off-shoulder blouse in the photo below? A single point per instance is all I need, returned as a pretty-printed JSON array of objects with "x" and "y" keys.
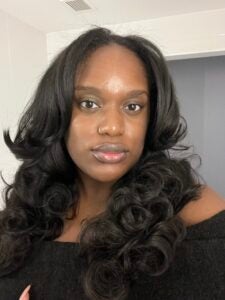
[{"x": 197, "y": 273}]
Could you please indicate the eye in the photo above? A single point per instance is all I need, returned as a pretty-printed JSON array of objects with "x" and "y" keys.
[
  {"x": 134, "y": 107},
  {"x": 89, "y": 104}
]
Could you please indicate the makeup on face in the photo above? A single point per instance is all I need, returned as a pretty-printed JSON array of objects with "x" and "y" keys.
[
  {"x": 110, "y": 114},
  {"x": 110, "y": 153}
]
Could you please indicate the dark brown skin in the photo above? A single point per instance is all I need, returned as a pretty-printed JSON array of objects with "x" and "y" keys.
[
  {"x": 115, "y": 72},
  {"x": 209, "y": 204}
]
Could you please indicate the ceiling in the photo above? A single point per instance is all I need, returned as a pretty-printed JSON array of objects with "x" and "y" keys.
[{"x": 55, "y": 15}]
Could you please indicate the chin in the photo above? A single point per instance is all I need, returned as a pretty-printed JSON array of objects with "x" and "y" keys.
[{"x": 108, "y": 177}]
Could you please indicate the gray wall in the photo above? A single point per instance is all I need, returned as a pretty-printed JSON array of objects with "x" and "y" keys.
[{"x": 200, "y": 85}]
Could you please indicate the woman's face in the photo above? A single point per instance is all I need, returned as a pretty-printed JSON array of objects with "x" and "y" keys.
[{"x": 111, "y": 106}]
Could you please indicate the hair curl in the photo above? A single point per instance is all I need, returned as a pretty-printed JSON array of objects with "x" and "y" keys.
[{"x": 139, "y": 230}]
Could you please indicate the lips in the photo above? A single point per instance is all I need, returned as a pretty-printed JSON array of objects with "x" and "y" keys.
[
  {"x": 110, "y": 153},
  {"x": 107, "y": 147}
]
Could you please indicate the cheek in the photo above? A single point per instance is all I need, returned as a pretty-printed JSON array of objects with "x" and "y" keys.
[
  {"x": 77, "y": 136},
  {"x": 136, "y": 134}
]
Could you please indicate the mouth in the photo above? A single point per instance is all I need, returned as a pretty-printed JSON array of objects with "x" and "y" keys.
[
  {"x": 110, "y": 153},
  {"x": 109, "y": 157}
]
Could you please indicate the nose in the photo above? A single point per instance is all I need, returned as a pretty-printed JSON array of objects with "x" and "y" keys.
[{"x": 112, "y": 123}]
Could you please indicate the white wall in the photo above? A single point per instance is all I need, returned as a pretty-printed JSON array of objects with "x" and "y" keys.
[
  {"x": 23, "y": 57},
  {"x": 198, "y": 34}
]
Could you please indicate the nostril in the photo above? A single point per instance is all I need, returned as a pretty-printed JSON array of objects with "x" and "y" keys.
[{"x": 111, "y": 130}]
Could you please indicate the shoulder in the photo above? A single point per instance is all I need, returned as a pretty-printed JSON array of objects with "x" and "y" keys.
[{"x": 209, "y": 204}]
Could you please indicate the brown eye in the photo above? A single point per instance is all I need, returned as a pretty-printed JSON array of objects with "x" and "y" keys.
[
  {"x": 134, "y": 107},
  {"x": 87, "y": 104}
]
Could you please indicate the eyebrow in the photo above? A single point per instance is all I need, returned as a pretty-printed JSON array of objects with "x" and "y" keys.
[{"x": 133, "y": 93}]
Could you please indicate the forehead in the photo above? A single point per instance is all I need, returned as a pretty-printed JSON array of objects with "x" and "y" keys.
[{"x": 113, "y": 63}]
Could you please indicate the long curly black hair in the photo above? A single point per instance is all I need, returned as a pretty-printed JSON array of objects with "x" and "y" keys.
[{"x": 139, "y": 230}]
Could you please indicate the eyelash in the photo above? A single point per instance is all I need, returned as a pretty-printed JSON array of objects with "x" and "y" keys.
[{"x": 90, "y": 101}]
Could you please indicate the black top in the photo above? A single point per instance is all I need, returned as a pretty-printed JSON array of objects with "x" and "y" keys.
[{"x": 197, "y": 272}]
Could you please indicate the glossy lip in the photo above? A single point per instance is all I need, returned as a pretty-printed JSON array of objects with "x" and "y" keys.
[
  {"x": 109, "y": 157},
  {"x": 110, "y": 153},
  {"x": 109, "y": 147}
]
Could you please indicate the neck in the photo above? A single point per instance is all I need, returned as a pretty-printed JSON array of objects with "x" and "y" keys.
[
  {"x": 92, "y": 201},
  {"x": 93, "y": 197}
]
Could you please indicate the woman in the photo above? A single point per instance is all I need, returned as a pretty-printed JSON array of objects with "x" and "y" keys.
[{"x": 99, "y": 209}]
